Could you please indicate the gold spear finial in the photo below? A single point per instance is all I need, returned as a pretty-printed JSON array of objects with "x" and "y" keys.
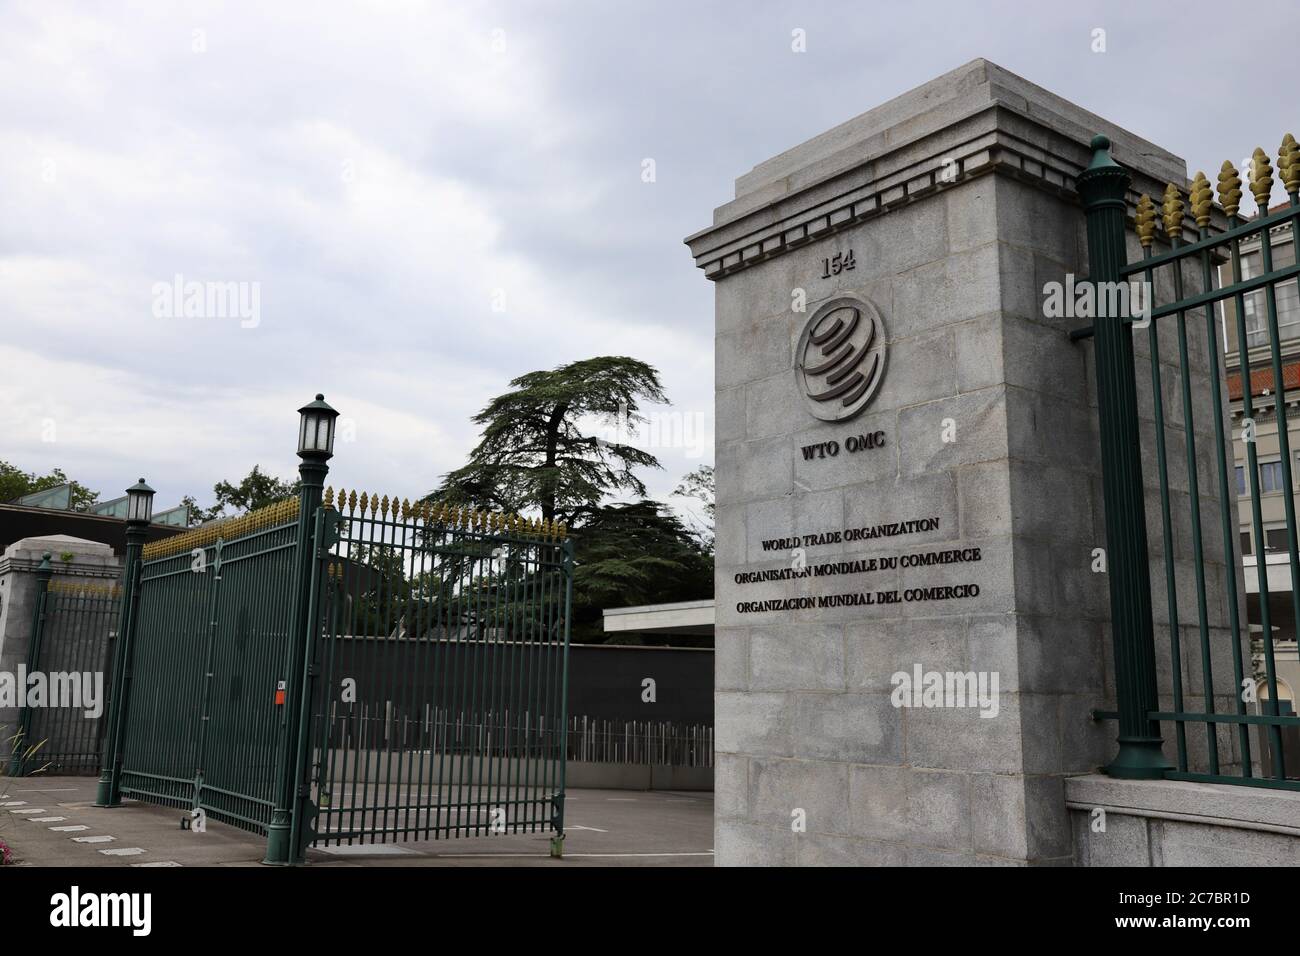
[
  {"x": 1173, "y": 212},
  {"x": 1261, "y": 179},
  {"x": 1202, "y": 200},
  {"x": 1144, "y": 221},
  {"x": 1288, "y": 164},
  {"x": 1229, "y": 188},
  {"x": 329, "y": 497}
]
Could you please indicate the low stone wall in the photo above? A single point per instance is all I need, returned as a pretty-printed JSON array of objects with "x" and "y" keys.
[
  {"x": 1173, "y": 823},
  {"x": 583, "y": 774}
]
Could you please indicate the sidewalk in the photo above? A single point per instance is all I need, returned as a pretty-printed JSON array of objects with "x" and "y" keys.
[{"x": 52, "y": 821}]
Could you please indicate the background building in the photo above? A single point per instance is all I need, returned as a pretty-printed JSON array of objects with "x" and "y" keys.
[{"x": 1272, "y": 551}]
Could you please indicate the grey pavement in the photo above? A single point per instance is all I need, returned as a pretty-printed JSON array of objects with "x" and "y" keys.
[{"x": 52, "y": 821}]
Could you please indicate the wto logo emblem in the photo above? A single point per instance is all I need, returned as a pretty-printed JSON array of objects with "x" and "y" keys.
[{"x": 841, "y": 358}]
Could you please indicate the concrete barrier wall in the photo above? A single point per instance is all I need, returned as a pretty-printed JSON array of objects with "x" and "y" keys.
[
  {"x": 605, "y": 681},
  {"x": 1174, "y": 823},
  {"x": 374, "y": 767}
]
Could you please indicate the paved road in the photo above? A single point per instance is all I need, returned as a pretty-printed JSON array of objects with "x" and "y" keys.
[{"x": 51, "y": 821}]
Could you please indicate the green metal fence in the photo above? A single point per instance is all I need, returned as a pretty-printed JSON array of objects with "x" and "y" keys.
[
  {"x": 362, "y": 673},
  {"x": 1213, "y": 691},
  {"x": 71, "y": 645},
  {"x": 441, "y": 659}
]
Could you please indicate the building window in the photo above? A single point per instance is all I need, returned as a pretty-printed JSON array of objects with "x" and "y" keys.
[
  {"x": 1270, "y": 476},
  {"x": 1275, "y": 539},
  {"x": 1255, "y": 304},
  {"x": 1245, "y": 542}
]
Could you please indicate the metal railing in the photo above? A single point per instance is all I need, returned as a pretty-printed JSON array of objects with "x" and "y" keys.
[
  {"x": 442, "y": 660},
  {"x": 640, "y": 742},
  {"x": 384, "y": 726},
  {"x": 1210, "y": 716},
  {"x": 72, "y": 637}
]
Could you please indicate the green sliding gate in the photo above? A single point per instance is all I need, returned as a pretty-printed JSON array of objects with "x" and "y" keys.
[
  {"x": 211, "y": 638},
  {"x": 1214, "y": 690},
  {"x": 367, "y": 673}
]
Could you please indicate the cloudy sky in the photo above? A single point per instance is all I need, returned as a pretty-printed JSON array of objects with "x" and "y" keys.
[{"x": 432, "y": 198}]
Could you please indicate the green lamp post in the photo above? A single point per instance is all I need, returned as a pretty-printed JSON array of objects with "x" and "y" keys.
[
  {"x": 139, "y": 510},
  {"x": 316, "y": 422}
]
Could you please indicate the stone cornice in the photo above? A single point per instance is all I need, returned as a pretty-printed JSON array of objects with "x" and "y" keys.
[
  {"x": 992, "y": 139},
  {"x": 71, "y": 569}
]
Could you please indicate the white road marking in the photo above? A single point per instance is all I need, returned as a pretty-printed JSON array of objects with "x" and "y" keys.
[
  {"x": 538, "y": 856},
  {"x": 123, "y": 851},
  {"x": 46, "y": 819},
  {"x": 93, "y": 839},
  {"x": 14, "y": 803},
  {"x": 34, "y": 810},
  {"x": 592, "y": 829},
  {"x": 366, "y": 849},
  {"x": 158, "y": 863},
  {"x": 636, "y": 855},
  {"x": 70, "y": 829},
  {"x": 50, "y": 790}
]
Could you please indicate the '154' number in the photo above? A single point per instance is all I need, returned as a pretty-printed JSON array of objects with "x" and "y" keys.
[{"x": 840, "y": 262}]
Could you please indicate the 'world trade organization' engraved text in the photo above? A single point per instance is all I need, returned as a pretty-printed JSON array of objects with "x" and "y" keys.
[{"x": 886, "y": 530}]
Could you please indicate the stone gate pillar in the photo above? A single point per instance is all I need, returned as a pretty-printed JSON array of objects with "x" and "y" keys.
[{"x": 908, "y": 484}]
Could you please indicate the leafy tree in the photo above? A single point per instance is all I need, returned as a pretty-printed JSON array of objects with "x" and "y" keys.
[
  {"x": 383, "y": 592},
  {"x": 699, "y": 485},
  {"x": 533, "y": 454},
  {"x": 255, "y": 490},
  {"x": 14, "y": 483},
  {"x": 198, "y": 515},
  {"x": 631, "y": 554}
]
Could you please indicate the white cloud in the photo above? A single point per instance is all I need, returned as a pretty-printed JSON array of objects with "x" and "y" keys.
[{"x": 380, "y": 169}]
